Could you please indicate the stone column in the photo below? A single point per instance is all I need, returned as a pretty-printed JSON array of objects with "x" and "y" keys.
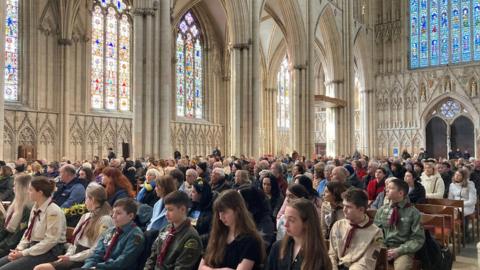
[
  {"x": 138, "y": 77},
  {"x": 309, "y": 143},
  {"x": 67, "y": 14},
  {"x": 367, "y": 121},
  {"x": 256, "y": 101},
  {"x": 165, "y": 80},
  {"x": 3, "y": 10}
]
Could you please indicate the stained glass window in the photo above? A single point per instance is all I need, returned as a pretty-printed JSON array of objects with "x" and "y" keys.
[
  {"x": 444, "y": 32},
  {"x": 11, "y": 51},
  {"x": 283, "y": 96},
  {"x": 110, "y": 66},
  {"x": 189, "y": 72},
  {"x": 450, "y": 109}
]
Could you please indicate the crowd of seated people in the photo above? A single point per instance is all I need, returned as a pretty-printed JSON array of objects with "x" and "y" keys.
[{"x": 218, "y": 212}]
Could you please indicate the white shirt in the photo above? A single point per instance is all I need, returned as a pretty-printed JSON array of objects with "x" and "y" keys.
[{"x": 467, "y": 194}]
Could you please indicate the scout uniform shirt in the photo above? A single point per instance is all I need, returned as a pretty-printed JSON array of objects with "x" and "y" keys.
[
  {"x": 175, "y": 249},
  {"x": 118, "y": 248},
  {"x": 404, "y": 232},
  {"x": 358, "y": 252},
  {"x": 46, "y": 229},
  {"x": 82, "y": 247}
]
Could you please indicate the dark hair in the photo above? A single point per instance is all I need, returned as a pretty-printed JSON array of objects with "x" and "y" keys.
[
  {"x": 88, "y": 174},
  {"x": 307, "y": 183},
  {"x": 177, "y": 198},
  {"x": 128, "y": 204},
  {"x": 356, "y": 196},
  {"x": 401, "y": 185},
  {"x": 43, "y": 184},
  {"x": 300, "y": 167},
  {"x": 203, "y": 188},
  {"x": 299, "y": 191},
  {"x": 255, "y": 200},
  {"x": 178, "y": 175},
  {"x": 336, "y": 188},
  {"x": 273, "y": 182},
  {"x": 167, "y": 183}
]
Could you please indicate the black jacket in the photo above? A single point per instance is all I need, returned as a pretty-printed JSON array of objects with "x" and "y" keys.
[
  {"x": 417, "y": 195},
  {"x": 6, "y": 188}
]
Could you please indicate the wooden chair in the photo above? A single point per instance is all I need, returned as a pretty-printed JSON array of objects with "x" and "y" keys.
[
  {"x": 436, "y": 225},
  {"x": 449, "y": 226},
  {"x": 453, "y": 203},
  {"x": 382, "y": 260}
]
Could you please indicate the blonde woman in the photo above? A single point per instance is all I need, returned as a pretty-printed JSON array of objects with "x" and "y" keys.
[
  {"x": 87, "y": 232},
  {"x": 16, "y": 217},
  {"x": 147, "y": 194}
]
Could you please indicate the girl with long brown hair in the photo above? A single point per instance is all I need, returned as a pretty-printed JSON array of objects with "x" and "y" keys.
[
  {"x": 303, "y": 247},
  {"x": 234, "y": 241},
  {"x": 116, "y": 184},
  {"x": 87, "y": 232}
]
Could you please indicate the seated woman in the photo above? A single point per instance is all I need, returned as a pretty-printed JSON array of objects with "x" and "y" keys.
[
  {"x": 416, "y": 191},
  {"x": 87, "y": 232},
  {"x": 272, "y": 190},
  {"x": 332, "y": 207},
  {"x": 294, "y": 191},
  {"x": 381, "y": 199},
  {"x": 44, "y": 238},
  {"x": 117, "y": 185},
  {"x": 234, "y": 242},
  {"x": 259, "y": 208},
  {"x": 147, "y": 194},
  {"x": 17, "y": 215},
  {"x": 303, "y": 247},
  {"x": 462, "y": 188},
  {"x": 377, "y": 185},
  {"x": 201, "y": 212}
]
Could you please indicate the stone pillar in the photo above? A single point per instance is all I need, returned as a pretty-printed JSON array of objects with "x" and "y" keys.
[
  {"x": 367, "y": 121},
  {"x": 309, "y": 143},
  {"x": 165, "y": 80},
  {"x": 3, "y": 9},
  {"x": 67, "y": 12},
  {"x": 235, "y": 101},
  {"x": 138, "y": 129},
  {"x": 256, "y": 99}
]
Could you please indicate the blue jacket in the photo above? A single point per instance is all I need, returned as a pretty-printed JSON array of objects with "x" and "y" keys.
[
  {"x": 69, "y": 194},
  {"x": 124, "y": 255},
  {"x": 321, "y": 187},
  {"x": 159, "y": 218},
  {"x": 119, "y": 194}
]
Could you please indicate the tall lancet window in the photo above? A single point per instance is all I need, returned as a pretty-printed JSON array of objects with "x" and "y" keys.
[
  {"x": 11, "y": 51},
  {"x": 189, "y": 74},
  {"x": 111, "y": 55},
  {"x": 283, "y": 96}
]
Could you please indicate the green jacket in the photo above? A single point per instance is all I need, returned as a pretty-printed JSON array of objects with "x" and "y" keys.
[
  {"x": 408, "y": 235},
  {"x": 125, "y": 253},
  {"x": 10, "y": 240},
  {"x": 183, "y": 253}
]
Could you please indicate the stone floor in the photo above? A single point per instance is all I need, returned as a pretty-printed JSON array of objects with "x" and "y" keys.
[{"x": 467, "y": 259}]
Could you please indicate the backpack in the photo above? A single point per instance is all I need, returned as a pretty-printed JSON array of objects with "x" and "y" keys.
[{"x": 440, "y": 258}]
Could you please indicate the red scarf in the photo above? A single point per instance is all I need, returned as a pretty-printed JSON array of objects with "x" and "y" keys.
[
  {"x": 36, "y": 215},
  {"x": 351, "y": 233},
  {"x": 9, "y": 217},
  {"x": 81, "y": 230},
  {"x": 395, "y": 216},
  {"x": 169, "y": 239},
  {"x": 113, "y": 242}
]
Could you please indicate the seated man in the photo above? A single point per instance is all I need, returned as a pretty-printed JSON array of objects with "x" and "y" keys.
[
  {"x": 401, "y": 226},
  {"x": 119, "y": 247},
  {"x": 355, "y": 242},
  {"x": 70, "y": 190},
  {"x": 178, "y": 246}
]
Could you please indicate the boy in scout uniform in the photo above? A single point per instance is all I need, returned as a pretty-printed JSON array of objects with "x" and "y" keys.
[
  {"x": 401, "y": 226},
  {"x": 120, "y": 247},
  {"x": 178, "y": 246},
  {"x": 355, "y": 241}
]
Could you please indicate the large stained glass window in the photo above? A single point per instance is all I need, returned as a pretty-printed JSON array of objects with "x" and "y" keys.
[
  {"x": 189, "y": 72},
  {"x": 110, "y": 66},
  {"x": 283, "y": 96},
  {"x": 11, "y": 51},
  {"x": 444, "y": 32}
]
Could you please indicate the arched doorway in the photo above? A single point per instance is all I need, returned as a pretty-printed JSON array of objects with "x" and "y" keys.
[
  {"x": 436, "y": 135},
  {"x": 462, "y": 135},
  {"x": 449, "y": 127}
]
